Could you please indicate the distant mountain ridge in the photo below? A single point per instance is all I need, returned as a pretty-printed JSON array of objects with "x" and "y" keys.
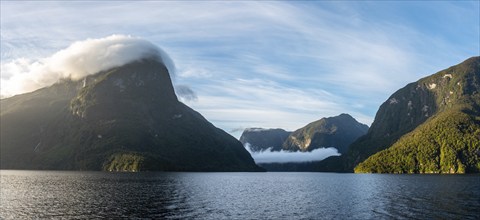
[
  {"x": 339, "y": 132},
  {"x": 260, "y": 139},
  {"x": 429, "y": 126},
  {"x": 127, "y": 118}
]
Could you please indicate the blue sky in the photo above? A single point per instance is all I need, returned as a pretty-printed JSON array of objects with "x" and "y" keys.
[{"x": 266, "y": 64}]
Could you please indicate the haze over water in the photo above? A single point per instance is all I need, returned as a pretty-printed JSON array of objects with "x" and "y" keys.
[{"x": 57, "y": 194}]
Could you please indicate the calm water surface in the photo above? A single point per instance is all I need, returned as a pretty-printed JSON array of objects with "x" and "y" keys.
[{"x": 53, "y": 194}]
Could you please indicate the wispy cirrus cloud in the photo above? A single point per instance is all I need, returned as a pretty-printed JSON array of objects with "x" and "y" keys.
[{"x": 266, "y": 64}]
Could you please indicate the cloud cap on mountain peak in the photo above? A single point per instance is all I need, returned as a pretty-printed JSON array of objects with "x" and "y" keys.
[{"x": 80, "y": 59}]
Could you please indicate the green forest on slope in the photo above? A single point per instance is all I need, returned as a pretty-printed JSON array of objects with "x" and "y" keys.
[
  {"x": 127, "y": 118},
  {"x": 448, "y": 143},
  {"x": 449, "y": 139}
]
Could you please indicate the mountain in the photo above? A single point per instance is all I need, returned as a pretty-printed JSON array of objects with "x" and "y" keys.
[
  {"x": 127, "y": 118},
  {"x": 339, "y": 132},
  {"x": 260, "y": 139},
  {"x": 429, "y": 126},
  {"x": 448, "y": 143},
  {"x": 443, "y": 134}
]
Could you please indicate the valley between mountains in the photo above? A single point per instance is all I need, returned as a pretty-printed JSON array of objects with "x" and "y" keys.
[{"x": 128, "y": 118}]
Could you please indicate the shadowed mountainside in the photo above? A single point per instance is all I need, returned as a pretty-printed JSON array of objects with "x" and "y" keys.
[
  {"x": 127, "y": 118},
  {"x": 260, "y": 139}
]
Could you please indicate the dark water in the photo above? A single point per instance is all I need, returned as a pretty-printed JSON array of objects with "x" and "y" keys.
[{"x": 52, "y": 194}]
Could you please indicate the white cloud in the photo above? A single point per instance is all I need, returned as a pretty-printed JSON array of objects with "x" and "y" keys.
[
  {"x": 185, "y": 93},
  {"x": 282, "y": 156},
  {"x": 266, "y": 104},
  {"x": 265, "y": 64},
  {"x": 80, "y": 59}
]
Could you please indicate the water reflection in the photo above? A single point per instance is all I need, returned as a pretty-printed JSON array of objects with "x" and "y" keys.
[{"x": 49, "y": 194}]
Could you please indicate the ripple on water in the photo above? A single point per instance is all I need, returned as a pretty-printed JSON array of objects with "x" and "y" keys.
[{"x": 86, "y": 195}]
